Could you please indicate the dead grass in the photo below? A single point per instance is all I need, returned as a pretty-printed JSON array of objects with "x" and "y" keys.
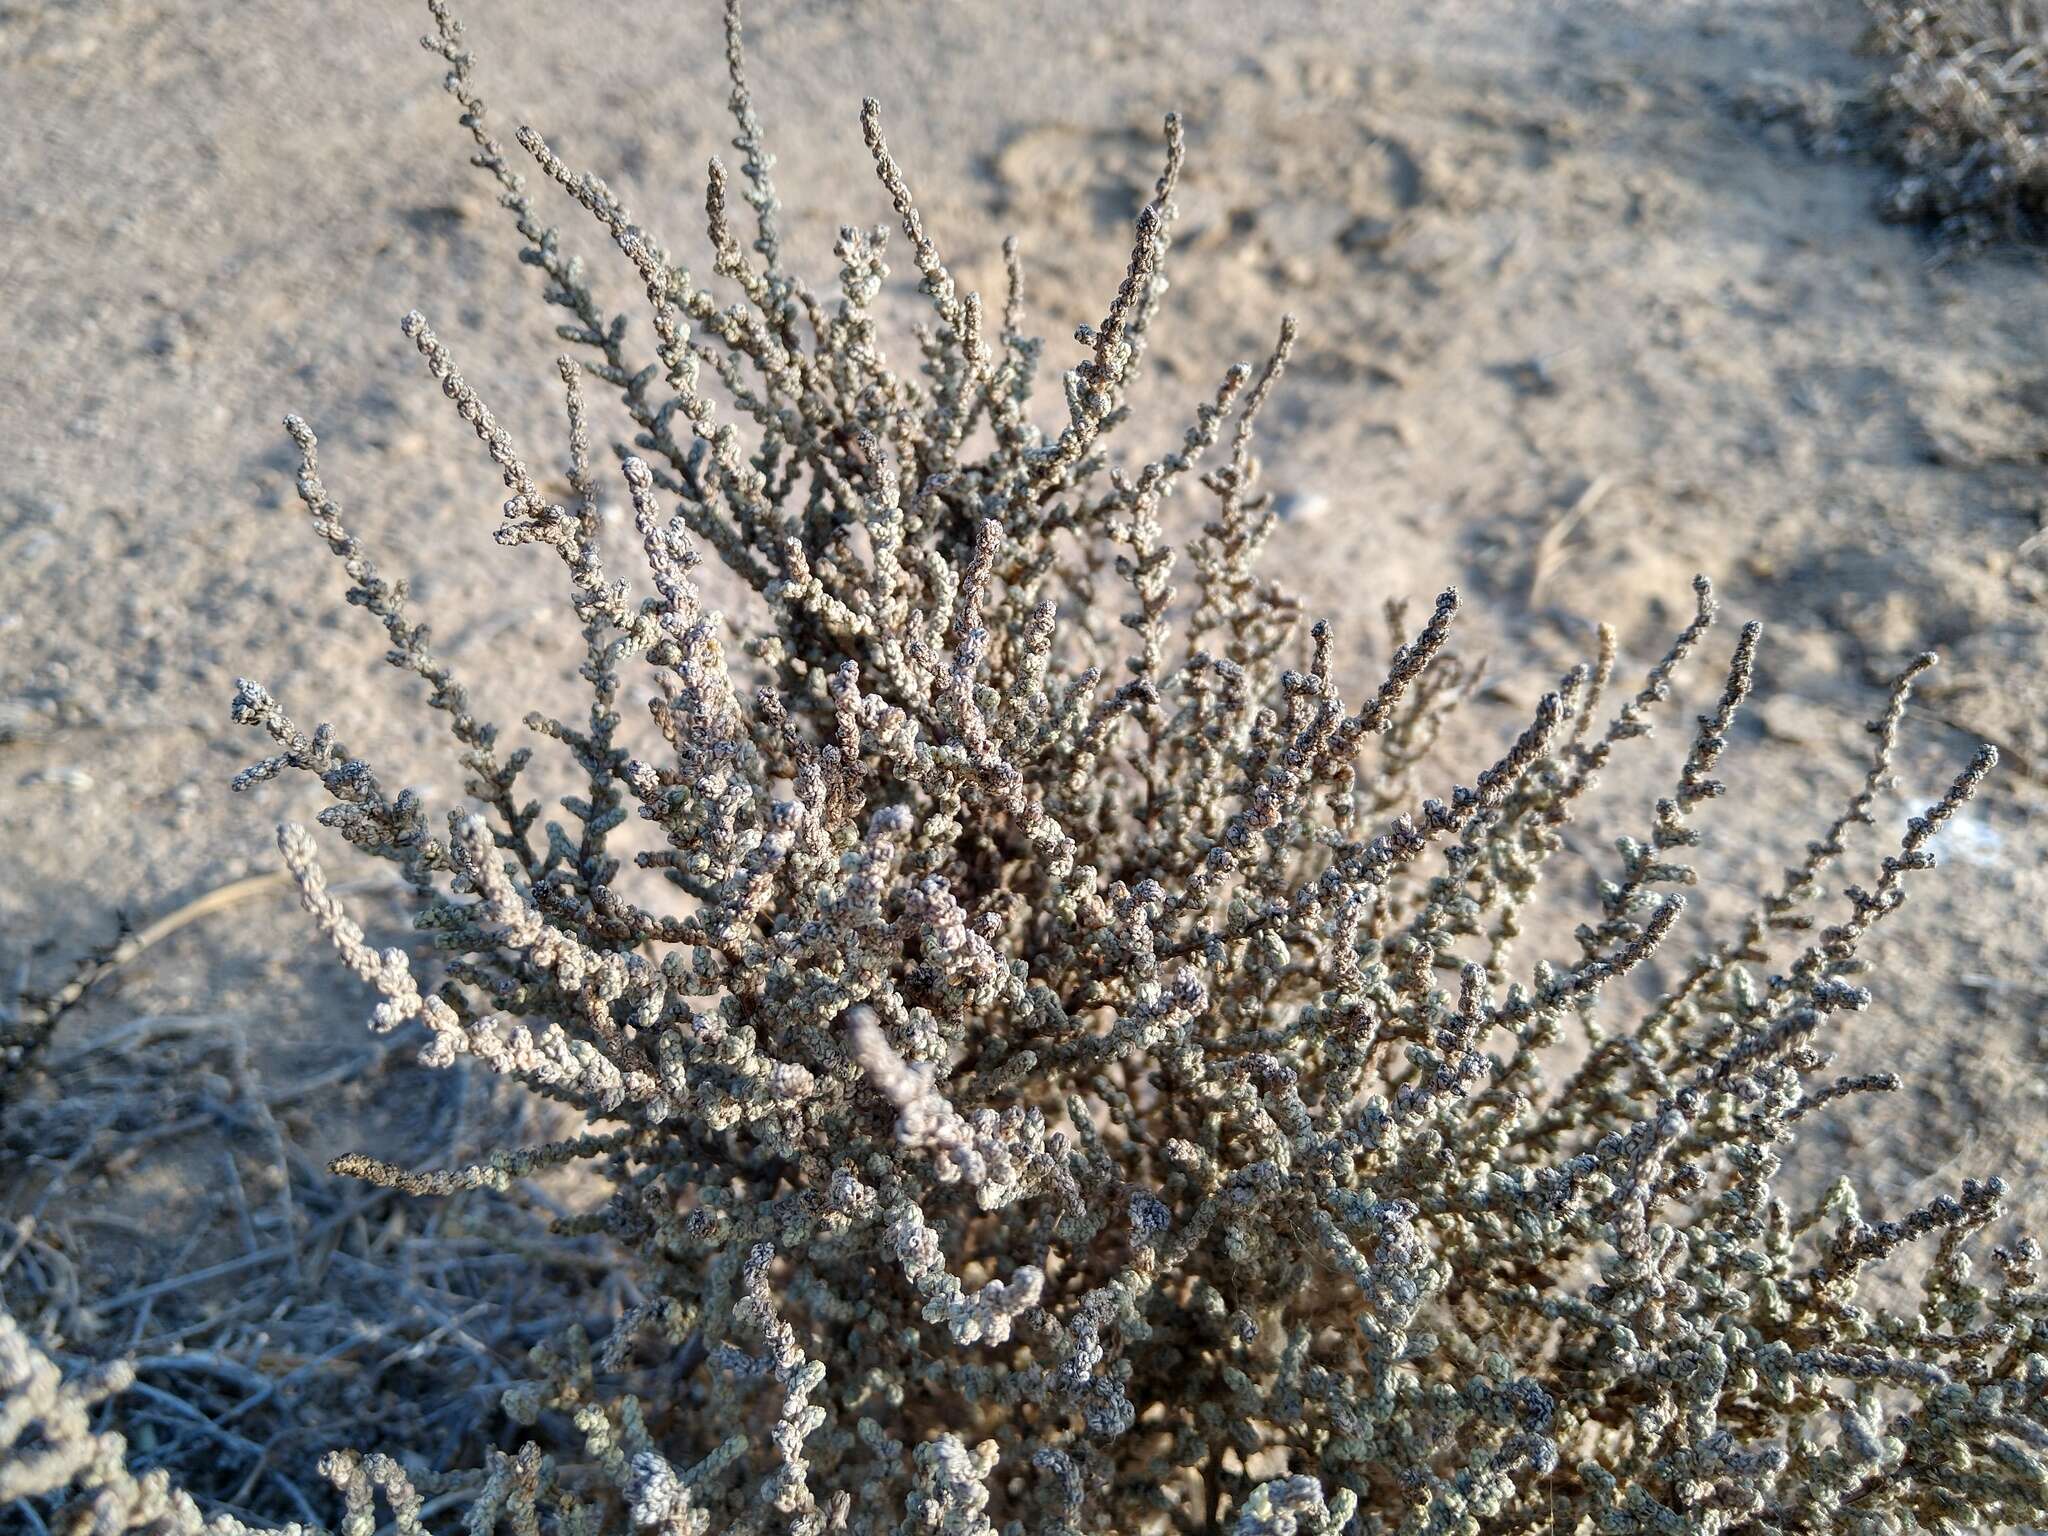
[{"x": 161, "y": 1200}]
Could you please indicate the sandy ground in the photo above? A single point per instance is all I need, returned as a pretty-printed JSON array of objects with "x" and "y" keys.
[{"x": 1575, "y": 326}]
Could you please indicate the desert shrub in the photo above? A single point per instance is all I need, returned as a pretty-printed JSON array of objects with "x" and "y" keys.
[
  {"x": 1957, "y": 113},
  {"x": 1055, "y": 1075},
  {"x": 1965, "y": 109}
]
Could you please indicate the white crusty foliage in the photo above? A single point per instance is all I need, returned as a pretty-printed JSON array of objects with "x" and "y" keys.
[{"x": 1073, "y": 1082}]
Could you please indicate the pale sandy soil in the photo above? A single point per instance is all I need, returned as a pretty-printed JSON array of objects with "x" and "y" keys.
[{"x": 1566, "y": 310}]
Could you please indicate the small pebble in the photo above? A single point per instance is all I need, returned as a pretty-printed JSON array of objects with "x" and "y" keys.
[{"x": 1300, "y": 506}]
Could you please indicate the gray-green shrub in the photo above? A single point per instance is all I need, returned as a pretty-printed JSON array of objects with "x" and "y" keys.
[{"x": 1071, "y": 1081}]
